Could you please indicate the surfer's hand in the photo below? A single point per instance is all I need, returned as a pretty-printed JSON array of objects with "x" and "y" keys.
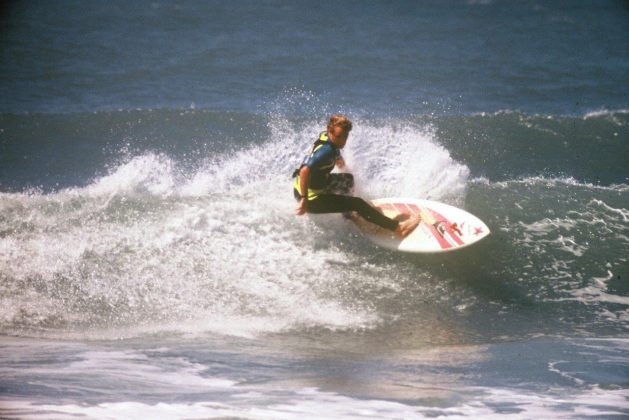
[{"x": 301, "y": 208}]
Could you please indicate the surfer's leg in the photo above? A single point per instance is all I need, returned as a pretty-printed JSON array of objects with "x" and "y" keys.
[
  {"x": 341, "y": 184},
  {"x": 332, "y": 203}
]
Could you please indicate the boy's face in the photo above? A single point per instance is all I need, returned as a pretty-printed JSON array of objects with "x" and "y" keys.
[{"x": 338, "y": 136}]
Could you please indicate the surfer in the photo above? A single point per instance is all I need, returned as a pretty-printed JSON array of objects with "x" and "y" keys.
[{"x": 319, "y": 191}]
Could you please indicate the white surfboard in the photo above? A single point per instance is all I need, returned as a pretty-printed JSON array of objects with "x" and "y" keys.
[{"x": 443, "y": 227}]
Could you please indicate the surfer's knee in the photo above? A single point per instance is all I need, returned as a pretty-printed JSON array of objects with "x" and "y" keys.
[
  {"x": 361, "y": 206},
  {"x": 358, "y": 202}
]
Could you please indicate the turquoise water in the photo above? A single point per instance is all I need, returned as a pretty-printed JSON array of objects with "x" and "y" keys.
[{"x": 151, "y": 264}]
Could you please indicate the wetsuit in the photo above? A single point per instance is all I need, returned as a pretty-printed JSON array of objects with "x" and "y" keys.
[{"x": 325, "y": 190}]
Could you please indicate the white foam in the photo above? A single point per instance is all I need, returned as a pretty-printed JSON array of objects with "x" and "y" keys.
[
  {"x": 595, "y": 293},
  {"x": 605, "y": 113},
  {"x": 553, "y": 367},
  {"x": 622, "y": 212},
  {"x": 219, "y": 249},
  {"x": 547, "y": 233},
  {"x": 163, "y": 383},
  {"x": 405, "y": 161},
  {"x": 311, "y": 403},
  {"x": 549, "y": 182},
  {"x": 152, "y": 173}
]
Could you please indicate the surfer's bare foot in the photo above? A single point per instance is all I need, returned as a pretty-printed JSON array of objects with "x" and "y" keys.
[{"x": 407, "y": 226}]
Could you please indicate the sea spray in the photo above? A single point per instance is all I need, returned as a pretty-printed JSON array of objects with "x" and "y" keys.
[{"x": 219, "y": 248}]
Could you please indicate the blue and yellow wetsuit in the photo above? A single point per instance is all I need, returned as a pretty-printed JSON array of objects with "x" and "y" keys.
[
  {"x": 321, "y": 186},
  {"x": 321, "y": 161}
]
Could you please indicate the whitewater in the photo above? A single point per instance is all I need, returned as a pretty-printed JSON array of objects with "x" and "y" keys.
[{"x": 157, "y": 255}]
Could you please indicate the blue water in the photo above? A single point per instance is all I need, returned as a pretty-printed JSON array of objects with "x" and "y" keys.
[
  {"x": 151, "y": 264},
  {"x": 375, "y": 57}
]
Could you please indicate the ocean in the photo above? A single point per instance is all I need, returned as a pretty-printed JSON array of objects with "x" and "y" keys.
[{"x": 152, "y": 266}]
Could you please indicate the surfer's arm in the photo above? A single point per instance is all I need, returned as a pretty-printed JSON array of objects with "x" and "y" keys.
[{"x": 304, "y": 179}]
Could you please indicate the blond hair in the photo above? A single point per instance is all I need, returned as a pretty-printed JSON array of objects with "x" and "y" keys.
[{"x": 339, "y": 120}]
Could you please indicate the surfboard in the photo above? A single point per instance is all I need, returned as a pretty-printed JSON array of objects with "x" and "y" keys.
[{"x": 443, "y": 228}]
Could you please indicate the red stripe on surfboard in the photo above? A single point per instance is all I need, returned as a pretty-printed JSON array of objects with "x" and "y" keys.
[
  {"x": 386, "y": 206},
  {"x": 447, "y": 224},
  {"x": 401, "y": 207},
  {"x": 414, "y": 209},
  {"x": 411, "y": 209}
]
